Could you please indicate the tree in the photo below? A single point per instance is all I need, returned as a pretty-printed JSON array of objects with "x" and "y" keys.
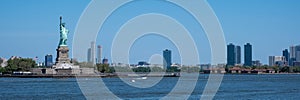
[
  {"x": 173, "y": 69},
  {"x": 276, "y": 68},
  {"x": 2, "y": 69},
  {"x": 112, "y": 70},
  {"x": 86, "y": 65},
  {"x": 157, "y": 69},
  {"x": 142, "y": 69},
  {"x": 103, "y": 68},
  {"x": 296, "y": 69},
  {"x": 20, "y": 64},
  {"x": 285, "y": 69},
  {"x": 122, "y": 69},
  {"x": 253, "y": 67},
  {"x": 190, "y": 69}
]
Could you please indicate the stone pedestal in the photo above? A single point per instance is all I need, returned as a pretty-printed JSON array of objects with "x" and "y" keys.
[
  {"x": 62, "y": 55},
  {"x": 63, "y": 60}
]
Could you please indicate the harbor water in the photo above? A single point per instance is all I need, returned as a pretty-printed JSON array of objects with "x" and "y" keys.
[{"x": 233, "y": 86}]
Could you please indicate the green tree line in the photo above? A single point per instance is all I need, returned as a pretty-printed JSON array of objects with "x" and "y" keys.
[
  {"x": 18, "y": 64},
  {"x": 287, "y": 69},
  {"x": 105, "y": 68}
]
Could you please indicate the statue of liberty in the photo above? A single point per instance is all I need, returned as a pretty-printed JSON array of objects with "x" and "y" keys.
[{"x": 63, "y": 34}]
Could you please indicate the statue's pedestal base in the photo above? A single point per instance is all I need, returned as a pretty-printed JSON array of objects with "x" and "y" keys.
[
  {"x": 65, "y": 69},
  {"x": 63, "y": 64},
  {"x": 62, "y": 55}
]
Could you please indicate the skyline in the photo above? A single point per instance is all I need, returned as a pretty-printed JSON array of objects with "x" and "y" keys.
[{"x": 270, "y": 26}]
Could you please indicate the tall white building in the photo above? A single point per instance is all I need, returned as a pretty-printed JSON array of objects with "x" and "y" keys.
[
  {"x": 93, "y": 52},
  {"x": 99, "y": 58},
  {"x": 297, "y": 53},
  {"x": 292, "y": 52},
  {"x": 271, "y": 60}
]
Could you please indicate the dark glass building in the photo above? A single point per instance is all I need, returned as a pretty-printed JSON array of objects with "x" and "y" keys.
[
  {"x": 238, "y": 54},
  {"x": 231, "y": 57},
  {"x": 248, "y": 54},
  {"x": 48, "y": 60},
  {"x": 285, "y": 53},
  {"x": 167, "y": 61},
  {"x": 105, "y": 61}
]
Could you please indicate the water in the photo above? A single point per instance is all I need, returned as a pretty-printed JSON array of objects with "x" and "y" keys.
[{"x": 246, "y": 87}]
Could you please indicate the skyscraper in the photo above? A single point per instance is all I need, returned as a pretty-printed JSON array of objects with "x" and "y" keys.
[
  {"x": 271, "y": 60},
  {"x": 99, "y": 54},
  {"x": 238, "y": 54},
  {"x": 248, "y": 54},
  {"x": 48, "y": 60},
  {"x": 292, "y": 52},
  {"x": 231, "y": 57},
  {"x": 89, "y": 55},
  {"x": 93, "y": 50},
  {"x": 292, "y": 55},
  {"x": 167, "y": 55},
  {"x": 297, "y": 53},
  {"x": 233, "y": 54},
  {"x": 285, "y": 53}
]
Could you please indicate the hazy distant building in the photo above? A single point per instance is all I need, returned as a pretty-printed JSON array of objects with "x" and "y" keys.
[
  {"x": 167, "y": 61},
  {"x": 231, "y": 57},
  {"x": 292, "y": 55},
  {"x": 271, "y": 60},
  {"x": 297, "y": 53},
  {"x": 93, "y": 52},
  {"x": 292, "y": 52},
  {"x": 297, "y": 56},
  {"x": 48, "y": 60},
  {"x": 248, "y": 54},
  {"x": 99, "y": 54},
  {"x": 89, "y": 55}
]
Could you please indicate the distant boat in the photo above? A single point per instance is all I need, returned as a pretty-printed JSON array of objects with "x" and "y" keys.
[
  {"x": 176, "y": 74},
  {"x": 142, "y": 78}
]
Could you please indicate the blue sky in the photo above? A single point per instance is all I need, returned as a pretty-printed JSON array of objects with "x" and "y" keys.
[{"x": 30, "y": 28}]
